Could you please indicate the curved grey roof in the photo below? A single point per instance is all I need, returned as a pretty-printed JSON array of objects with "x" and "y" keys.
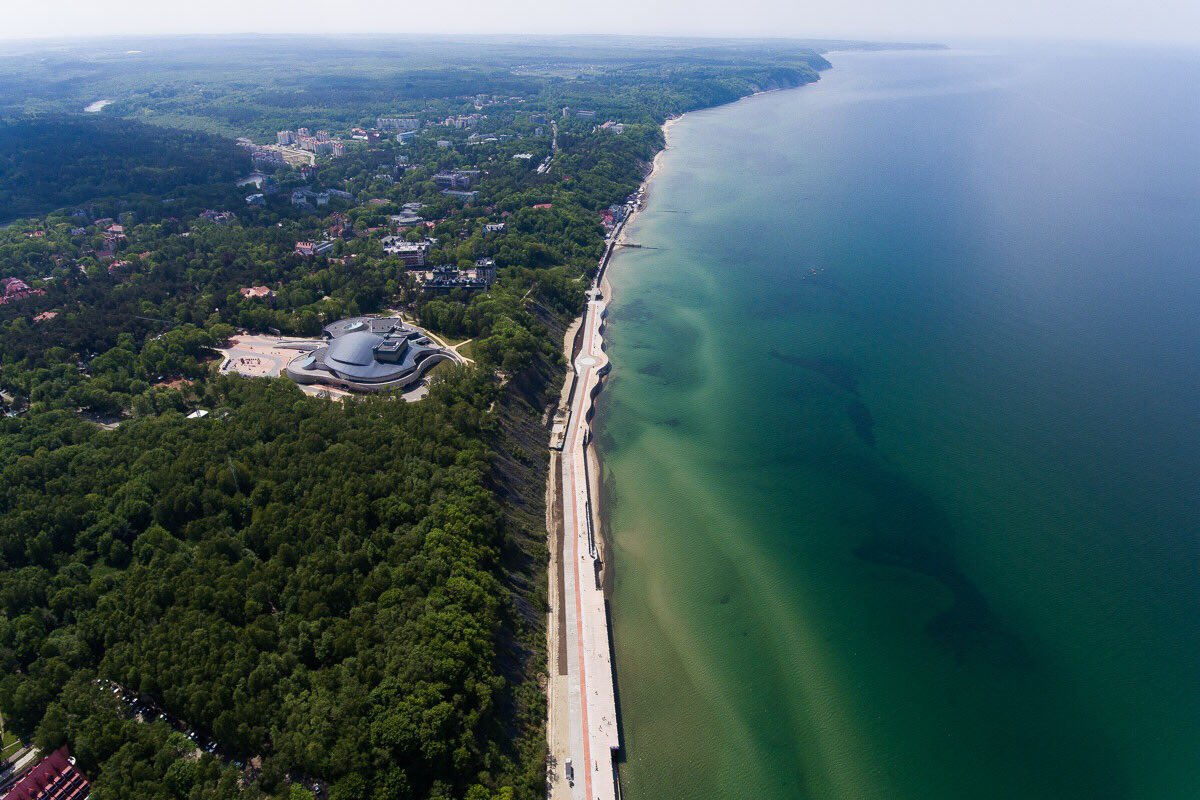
[
  {"x": 354, "y": 349},
  {"x": 369, "y": 352},
  {"x": 353, "y": 356}
]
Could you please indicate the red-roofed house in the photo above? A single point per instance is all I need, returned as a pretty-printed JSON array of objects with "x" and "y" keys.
[
  {"x": 54, "y": 778},
  {"x": 12, "y": 289}
]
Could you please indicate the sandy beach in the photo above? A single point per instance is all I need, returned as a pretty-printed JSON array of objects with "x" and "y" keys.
[
  {"x": 643, "y": 196},
  {"x": 643, "y": 192},
  {"x": 559, "y": 688}
]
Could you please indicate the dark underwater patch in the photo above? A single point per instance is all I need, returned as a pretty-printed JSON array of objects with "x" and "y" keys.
[
  {"x": 838, "y": 372},
  {"x": 841, "y": 375},
  {"x": 911, "y": 533},
  {"x": 653, "y": 370},
  {"x": 635, "y": 310},
  {"x": 864, "y": 423}
]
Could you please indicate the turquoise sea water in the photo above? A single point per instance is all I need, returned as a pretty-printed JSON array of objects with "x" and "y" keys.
[{"x": 902, "y": 439}]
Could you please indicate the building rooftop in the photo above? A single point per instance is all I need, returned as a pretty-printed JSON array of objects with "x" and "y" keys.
[
  {"x": 54, "y": 778},
  {"x": 369, "y": 353}
]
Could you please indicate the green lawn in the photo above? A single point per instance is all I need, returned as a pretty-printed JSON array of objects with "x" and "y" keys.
[{"x": 9, "y": 744}]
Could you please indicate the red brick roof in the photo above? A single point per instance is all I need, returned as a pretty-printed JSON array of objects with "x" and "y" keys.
[{"x": 54, "y": 778}]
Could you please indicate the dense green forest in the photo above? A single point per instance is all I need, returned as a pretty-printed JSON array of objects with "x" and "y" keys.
[
  {"x": 348, "y": 596},
  {"x": 281, "y": 574},
  {"x": 53, "y": 161}
]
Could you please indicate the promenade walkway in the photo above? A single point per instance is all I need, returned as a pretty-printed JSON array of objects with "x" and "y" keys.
[
  {"x": 591, "y": 692},
  {"x": 582, "y": 724}
]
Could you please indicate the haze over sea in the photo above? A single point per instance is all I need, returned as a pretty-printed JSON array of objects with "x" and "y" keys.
[{"x": 902, "y": 439}]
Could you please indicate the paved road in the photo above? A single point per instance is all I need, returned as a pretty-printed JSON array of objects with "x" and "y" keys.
[{"x": 591, "y": 694}]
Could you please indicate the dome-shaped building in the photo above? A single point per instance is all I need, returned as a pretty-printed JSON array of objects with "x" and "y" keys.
[{"x": 369, "y": 354}]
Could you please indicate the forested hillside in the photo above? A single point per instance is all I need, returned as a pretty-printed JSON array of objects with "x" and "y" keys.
[
  {"x": 314, "y": 583},
  {"x": 55, "y": 161}
]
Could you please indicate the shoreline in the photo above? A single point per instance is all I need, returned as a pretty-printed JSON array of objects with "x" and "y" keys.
[{"x": 587, "y": 366}]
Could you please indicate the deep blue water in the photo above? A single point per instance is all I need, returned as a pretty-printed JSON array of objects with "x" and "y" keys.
[{"x": 902, "y": 443}]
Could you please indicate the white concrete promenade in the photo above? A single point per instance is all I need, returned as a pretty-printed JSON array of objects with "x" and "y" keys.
[{"x": 592, "y": 716}]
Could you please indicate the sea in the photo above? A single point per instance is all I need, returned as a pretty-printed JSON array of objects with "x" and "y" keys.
[{"x": 901, "y": 443}]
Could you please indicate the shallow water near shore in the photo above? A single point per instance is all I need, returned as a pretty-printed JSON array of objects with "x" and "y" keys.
[{"x": 902, "y": 434}]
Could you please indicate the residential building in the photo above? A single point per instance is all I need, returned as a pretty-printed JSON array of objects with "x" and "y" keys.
[
  {"x": 408, "y": 215},
  {"x": 311, "y": 249},
  {"x": 219, "y": 217},
  {"x": 463, "y": 121},
  {"x": 341, "y": 226},
  {"x": 397, "y": 123},
  {"x": 268, "y": 159},
  {"x": 257, "y": 293},
  {"x": 447, "y": 277},
  {"x": 458, "y": 179},
  {"x": 469, "y": 197},
  {"x": 108, "y": 249},
  {"x": 484, "y": 270},
  {"x": 413, "y": 254},
  {"x": 285, "y": 138},
  {"x": 54, "y": 778},
  {"x": 494, "y": 227},
  {"x": 13, "y": 289}
]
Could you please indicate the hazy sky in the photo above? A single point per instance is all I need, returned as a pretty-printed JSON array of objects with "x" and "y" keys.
[{"x": 1141, "y": 20}]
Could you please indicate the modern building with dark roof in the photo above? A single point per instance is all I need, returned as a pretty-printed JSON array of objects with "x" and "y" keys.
[{"x": 369, "y": 354}]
